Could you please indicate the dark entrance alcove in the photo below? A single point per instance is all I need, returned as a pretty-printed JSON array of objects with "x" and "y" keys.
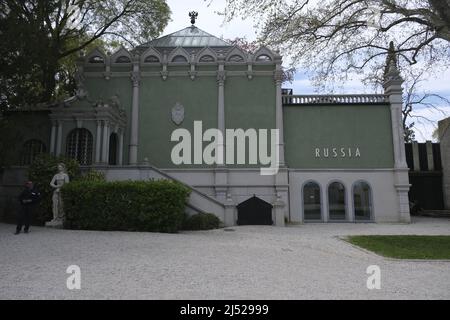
[
  {"x": 254, "y": 211},
  {"x": 112, "y": 161}
]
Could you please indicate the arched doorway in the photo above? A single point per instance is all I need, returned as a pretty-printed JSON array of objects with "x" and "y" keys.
[
  {"x": 336, "y": 201},
  {"x": 254, "y": 211},
  {"x": 362, "y": 201},
  {"x": 312, "y": 205},
  {"x": 112, "y": 159}
]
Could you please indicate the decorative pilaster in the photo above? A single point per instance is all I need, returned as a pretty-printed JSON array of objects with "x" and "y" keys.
[
  {"x": 278, "y": 76},
  {"x": 105, "y": 146},
  {"x": 282, "y": 177},
  {"x": 393, "y": 89},
  {"x": 135, "y": 79},
  {"x": 98, "y": 142},
  {"x": 221, "y": 173},
  {"x": 221, "y": 104},
  {"x": 52, "y": 138},
  {"x": 59, "y": 139},
  {"x": 250, "y": 67},
  {"x": 120, "y": 161},
  {"x": 164, "y": 72},
  {"x": 192, "y": 72}
]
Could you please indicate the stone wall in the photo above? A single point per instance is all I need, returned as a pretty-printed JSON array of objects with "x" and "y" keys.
[{"x": 444, "y": 135}]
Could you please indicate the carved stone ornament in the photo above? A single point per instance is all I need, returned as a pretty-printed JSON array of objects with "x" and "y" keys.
[{"x": 178, "y": 114}]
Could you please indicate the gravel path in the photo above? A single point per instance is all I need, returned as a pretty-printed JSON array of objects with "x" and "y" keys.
[{"x": 299, "y": 262}]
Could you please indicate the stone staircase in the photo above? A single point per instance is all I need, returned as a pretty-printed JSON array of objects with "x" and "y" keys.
[{"x": 198, "y": 201}]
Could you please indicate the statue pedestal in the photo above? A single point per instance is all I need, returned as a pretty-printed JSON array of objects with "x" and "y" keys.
[{"x": 54, "y": 224}]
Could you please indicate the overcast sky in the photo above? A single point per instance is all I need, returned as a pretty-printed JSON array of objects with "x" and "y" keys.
[{"x": 209, "y": 21}]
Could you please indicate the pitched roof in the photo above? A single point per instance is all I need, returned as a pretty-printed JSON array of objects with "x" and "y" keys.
[{"x": 190, "y": 37}]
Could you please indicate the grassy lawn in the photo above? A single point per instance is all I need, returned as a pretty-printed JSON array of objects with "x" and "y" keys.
[{"x": 405, "y": 247}]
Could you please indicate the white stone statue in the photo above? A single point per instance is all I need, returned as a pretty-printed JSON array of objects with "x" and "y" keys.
[{"x": 57, "y": 183}]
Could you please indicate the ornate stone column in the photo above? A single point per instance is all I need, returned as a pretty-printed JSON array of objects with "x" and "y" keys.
[
  {"x": 134, "y": 136},
  {"x": 393, "y": 89},
  {"x": 98, "y": 142}
]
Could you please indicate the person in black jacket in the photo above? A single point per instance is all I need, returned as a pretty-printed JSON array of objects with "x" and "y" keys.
[{"x": 29, "y": 198}]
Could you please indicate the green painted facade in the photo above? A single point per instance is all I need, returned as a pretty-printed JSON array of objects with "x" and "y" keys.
[
  {"x": 249, "y": 102},
  {"x": 338, "y": 126},
  {"x": 157, "y": 98}
]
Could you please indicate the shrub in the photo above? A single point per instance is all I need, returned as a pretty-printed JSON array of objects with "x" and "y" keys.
[
  {"x": 41, "y": 172},
  {"x": 156, "y": 206},
  {"x": 202, "y": 221},
  {"x": 93, "y": 175}
]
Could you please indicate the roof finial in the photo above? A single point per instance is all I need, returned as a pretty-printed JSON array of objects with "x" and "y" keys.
[
  {"x": 391, "y": 58},
  {"x": 193, "y": 15}
]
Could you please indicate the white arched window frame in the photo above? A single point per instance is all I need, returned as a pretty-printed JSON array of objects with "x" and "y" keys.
[
  {"x": 362, "y": 197},
  {"x": 337, "y": 202},
  {"x": 313, "y": 205}
]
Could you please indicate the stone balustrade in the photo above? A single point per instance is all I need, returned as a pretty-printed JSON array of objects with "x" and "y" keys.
[{"x": 335, "y": 99}]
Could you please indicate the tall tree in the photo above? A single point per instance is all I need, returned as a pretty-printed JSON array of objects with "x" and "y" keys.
[
  {"x": 40, "y": 36},
  {"x": 334, "y": 38}
]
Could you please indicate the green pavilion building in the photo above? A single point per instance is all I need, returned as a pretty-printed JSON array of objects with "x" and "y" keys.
[{"x": 341, "y": 157}]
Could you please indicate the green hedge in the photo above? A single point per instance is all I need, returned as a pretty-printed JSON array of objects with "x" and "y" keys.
[
  {"x": 156, "y": 206},
  {"x": 202, "y": 221}
]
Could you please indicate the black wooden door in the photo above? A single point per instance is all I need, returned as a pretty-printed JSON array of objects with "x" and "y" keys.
[{"x": 254, "y": 211}]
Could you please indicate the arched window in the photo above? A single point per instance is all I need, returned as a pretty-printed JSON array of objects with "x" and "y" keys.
[
  {"x": 151, "y": 59},
  {"x": 362, "y": 201},
  {"x": 263, "y": 58},
  {"x": 79, "y": 146},
  {"x": 179, "y": 59},
  {"x": 207, "y": 58},
  {"x": 311, "y": 202},
  {"x": 236, "y": 58},
  {"x": 96, "y": 59},
  {"x": 31, "y": 149},
  {"x": 123, "y": 59},
  {"x": 336, "y": 201},
  {"x": 112, "y": 149}
]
